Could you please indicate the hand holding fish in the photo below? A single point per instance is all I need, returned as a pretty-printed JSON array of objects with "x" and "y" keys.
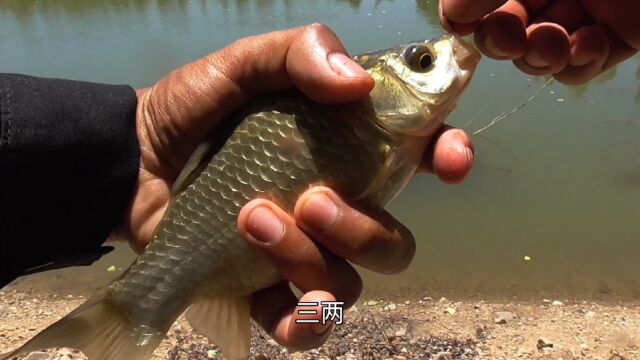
[
  {"x": 575, "y": 40},
  {"x": 180, "y": 110}
]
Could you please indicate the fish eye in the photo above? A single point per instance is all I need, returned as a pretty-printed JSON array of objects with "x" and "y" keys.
[{"x": 419, "y": 58}]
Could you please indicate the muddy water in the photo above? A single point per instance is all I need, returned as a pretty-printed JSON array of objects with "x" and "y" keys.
[{"x": 558, "y": 182}]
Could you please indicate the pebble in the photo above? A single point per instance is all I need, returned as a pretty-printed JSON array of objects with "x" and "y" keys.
[
  {"x": 557, "y": 303},
  {"x": 37, "y": 355},
  {"x": 427, "y": 298},
  {"x": 450, "y": 311},
  {"x": 444, "y": 355},
  {"x": 391, "y": 306},
  {"x": 212, "y": 354},
  {"x": 504, "y": 317},
  {"x": 543, "y": 344},
  {"x": 272, "y": 342},
  {"x": 590, "y": 314}
]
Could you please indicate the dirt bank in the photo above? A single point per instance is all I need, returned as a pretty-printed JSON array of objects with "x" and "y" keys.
[{"x": 416, "y": 328}]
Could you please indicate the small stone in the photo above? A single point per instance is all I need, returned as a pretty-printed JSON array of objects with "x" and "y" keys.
[
  {"x": 442, "y": 300},
  {"x": 557, "y": 303},
  {"x": 372, "y": 303},
  {"x": 616, "y": 357},
  {"x": 64, "y": 351},
  {"x": 401, "y": 332},
  {"x": 504, "y": 317},
  {"x": 444, "y": 355},
  {"x": 407, "y": 302},
  {"x": 427, "y": 298},
  {"x": 546, "y": 301},
  {"x": 212, "y": 354},
  {"x": 391, "y": 306},
  {"x": 450, "y": 311},
  {"x": 37, "y": 355},
  {"x": 272, "y": 342},
  {"x": 543, "y": 344},
  {"x": 111, "y": 268},
  {"x": 590, "y": 314}
]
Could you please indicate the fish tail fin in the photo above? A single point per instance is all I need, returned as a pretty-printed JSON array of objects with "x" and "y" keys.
[{"x": 97, "y": 328}]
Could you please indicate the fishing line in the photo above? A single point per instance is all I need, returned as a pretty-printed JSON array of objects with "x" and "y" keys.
[{"x": 507, "y": 114}]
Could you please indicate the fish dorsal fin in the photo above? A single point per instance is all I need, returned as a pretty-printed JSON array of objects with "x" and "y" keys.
[
  {"x": 192, "y": 168},
  {"x": 225, "y": 321}
]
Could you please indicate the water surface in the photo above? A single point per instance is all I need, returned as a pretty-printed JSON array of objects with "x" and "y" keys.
[{"x": 558, "y": 182}]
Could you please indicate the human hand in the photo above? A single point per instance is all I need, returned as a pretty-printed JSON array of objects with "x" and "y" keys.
[
  {"x": 176, "y": 114},
  {"x": 575, "y": 40}
]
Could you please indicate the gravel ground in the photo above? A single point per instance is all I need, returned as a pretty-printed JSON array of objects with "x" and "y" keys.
[{"x": 416, "y": 328}]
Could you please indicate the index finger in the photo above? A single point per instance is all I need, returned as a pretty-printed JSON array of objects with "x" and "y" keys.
[{"x": 467, "y": 11}]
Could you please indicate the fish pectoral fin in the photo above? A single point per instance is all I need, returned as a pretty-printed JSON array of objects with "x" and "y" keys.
[
  {"x": 98, "y": 329},
  {"x": 225, "y": 321},
  {"x": 191, "y": 169}
]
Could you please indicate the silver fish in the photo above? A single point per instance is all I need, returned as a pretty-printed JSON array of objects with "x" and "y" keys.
[{"x": 274, "y": 148}]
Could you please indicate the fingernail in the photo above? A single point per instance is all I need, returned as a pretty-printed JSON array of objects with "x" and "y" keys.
[
  {"x": 264, "y": 226},
  {"x": 533, "y": 59},
  {"x": 468, "y": 153},
  {"x": 457, "y": 9},
  {"x": 319, "y": 211},
  {"x": 320, "y": 328},
  {"x": 342, "y": 65},
  {"x": 493, "y": 48},
  {"x": 577, "y": 58}
]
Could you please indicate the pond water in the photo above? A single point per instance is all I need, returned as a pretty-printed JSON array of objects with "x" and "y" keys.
[{"x": 558, "y": 182}]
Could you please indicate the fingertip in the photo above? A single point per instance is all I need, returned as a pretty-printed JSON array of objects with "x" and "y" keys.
[
  {"x": 548, "y": 50},
  {"x": 303, "y": 331},
  {"x": 320, "y": 67},
  {"x": 260, "y": 224},
  {"x": 589, "y": 52},
  {"x": 502, "y": 35},
  {"x": 318, "y": 208},
  {"x": 462, "y": 29},
  {"x": 453, "y": 156}
]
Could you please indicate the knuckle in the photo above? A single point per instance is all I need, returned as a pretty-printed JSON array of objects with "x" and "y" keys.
[{"x": 317, "y": 31}]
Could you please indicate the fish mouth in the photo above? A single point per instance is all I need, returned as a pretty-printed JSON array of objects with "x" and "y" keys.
[{"x": 465, "y": 54}]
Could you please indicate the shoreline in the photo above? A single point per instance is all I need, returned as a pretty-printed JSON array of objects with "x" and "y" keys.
[{"x": 408, "y": 328}]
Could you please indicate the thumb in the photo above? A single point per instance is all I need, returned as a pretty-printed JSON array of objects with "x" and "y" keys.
[{"x": 193, "y": 99}]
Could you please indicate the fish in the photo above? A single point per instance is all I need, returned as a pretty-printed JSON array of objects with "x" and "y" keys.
[{"x": 274, "y": 148}]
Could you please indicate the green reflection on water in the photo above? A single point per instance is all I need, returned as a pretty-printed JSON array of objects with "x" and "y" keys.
[{"x": 558, "y": 181}]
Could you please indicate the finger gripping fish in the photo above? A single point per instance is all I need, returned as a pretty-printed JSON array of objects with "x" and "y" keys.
[{"x": 274, "y": 148}]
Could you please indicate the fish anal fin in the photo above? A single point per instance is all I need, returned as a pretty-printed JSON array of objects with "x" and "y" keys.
[
  {"x": 98, "y": 329},
  {"x": 225, "y": 321}
]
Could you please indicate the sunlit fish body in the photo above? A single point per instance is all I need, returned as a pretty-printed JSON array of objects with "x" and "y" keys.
[{"x": 274, "y": 148}]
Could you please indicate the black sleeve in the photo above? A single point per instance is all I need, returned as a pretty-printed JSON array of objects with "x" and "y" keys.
[{"x": 69, "y": 160}]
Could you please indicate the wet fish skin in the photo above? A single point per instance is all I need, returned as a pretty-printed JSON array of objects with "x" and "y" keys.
[{"x": 274, "y": 148}]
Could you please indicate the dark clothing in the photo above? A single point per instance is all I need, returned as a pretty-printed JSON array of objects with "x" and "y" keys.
[{"x": 69, "y": 159}]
